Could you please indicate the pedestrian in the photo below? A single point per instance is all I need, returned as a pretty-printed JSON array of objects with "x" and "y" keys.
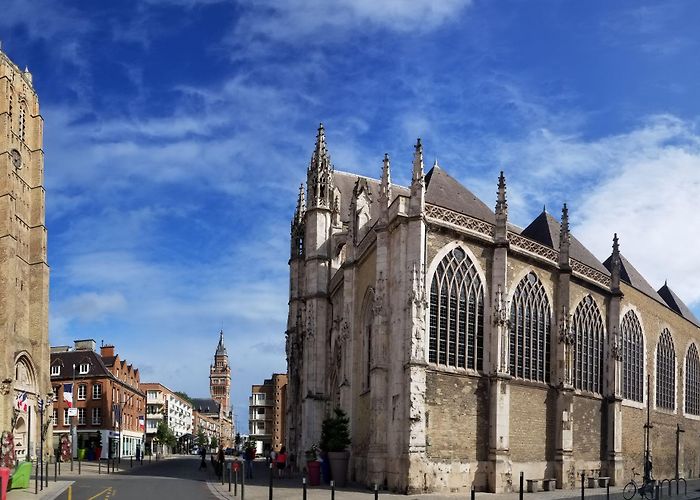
[
  {"x": 281, "y": 461},
  {"x": 203, "y": 454},
  {"x": 220, "y": 457},
  {"x": 249, "y": 457},
  {"x": 273, "y": 456}
]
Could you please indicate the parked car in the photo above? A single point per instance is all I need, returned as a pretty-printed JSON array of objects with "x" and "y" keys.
[{"x": 229, "y": 451}]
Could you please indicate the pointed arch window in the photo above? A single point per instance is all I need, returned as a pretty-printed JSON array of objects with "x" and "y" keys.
[
  {"x": 530, "y": 318},
  {"x": 632, "y": 357},
  {"x": 665, "y": 372},
  {"x": 456, "y": 319},
  {"x": 588, "y": 347},
  {"x": 692, "y": 381}
]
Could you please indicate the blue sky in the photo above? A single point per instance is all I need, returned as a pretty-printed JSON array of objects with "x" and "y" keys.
[{"x": 177, "y": 133}]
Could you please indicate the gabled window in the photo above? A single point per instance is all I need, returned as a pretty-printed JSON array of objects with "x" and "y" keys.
[
  {"x": 588, "y": 346},
  {"x": 456, "y": 313},
  {"x": 84, "y": 368},
  {"x": 632, "y": 358},
  {"x": 55, "y": 370},
  {"x": 529, "y": 330},
  {"x": 665, "y": 372},
  {"x": 692, "y": 381}
]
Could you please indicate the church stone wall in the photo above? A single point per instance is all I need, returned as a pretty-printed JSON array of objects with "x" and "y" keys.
[
  {"x": 529, "y": 410},
  {"x": 588, "y": 420}
]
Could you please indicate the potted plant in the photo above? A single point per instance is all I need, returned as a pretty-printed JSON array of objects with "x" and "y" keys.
[
  {"x": 335, "y": 439},
  {"x": 313, "y": 466}
]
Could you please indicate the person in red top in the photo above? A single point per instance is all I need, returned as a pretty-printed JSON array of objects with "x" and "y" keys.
[{"x": 281, "y": 461}]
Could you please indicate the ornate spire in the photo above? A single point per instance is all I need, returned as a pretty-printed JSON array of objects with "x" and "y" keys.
[
  {"x": 297, "y": 249},
  {"x": 501, "y": 230},
  {"x": 221, "y": 349},
  {"x": 320, "y": 173},
  {"x": 417, "y": 163},
  {"x": 615, "y": 265},
  {"x": 385, "y": 185},
  {"x": 564, "y": 237},
  {"x": 301, "y": 206}
]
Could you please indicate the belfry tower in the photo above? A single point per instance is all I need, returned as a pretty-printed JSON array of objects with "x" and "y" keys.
[{"x": 220, "y": 377}]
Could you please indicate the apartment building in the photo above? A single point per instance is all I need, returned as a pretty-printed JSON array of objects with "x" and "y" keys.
[
  {"x": 163, "y": 404},
  {"x": 266, "y": 415}
]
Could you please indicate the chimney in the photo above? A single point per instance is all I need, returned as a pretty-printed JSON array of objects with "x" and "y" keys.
[
  {"x": 107, "y": 351},
  {"x": 85, "y": 345}
]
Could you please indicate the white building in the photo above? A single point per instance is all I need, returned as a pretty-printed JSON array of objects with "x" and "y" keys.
[{"x": 162, "y": 404}]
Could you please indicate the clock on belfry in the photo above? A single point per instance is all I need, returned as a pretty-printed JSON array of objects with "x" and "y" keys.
[{"x": 16, "y": 159}]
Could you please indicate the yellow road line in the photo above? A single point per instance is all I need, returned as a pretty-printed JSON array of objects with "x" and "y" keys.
[
  {"x": 70, "y": 492},
  {"x": 107, "y": 490}
]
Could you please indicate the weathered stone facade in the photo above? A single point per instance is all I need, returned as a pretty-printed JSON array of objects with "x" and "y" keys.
[
  {"x": 361, "y": 335},
  {"x": 24, "y": 272}
]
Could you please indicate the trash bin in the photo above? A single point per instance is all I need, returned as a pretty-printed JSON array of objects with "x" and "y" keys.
[{"x": 4, "y": 479}]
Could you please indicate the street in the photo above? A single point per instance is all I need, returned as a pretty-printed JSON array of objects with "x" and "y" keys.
[{"x": 175, "y": 478}]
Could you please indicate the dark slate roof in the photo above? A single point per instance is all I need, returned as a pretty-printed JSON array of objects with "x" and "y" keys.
[
  {"x": 67, "y": 359},
  {"x": 345, "y": 182},
  {"x": 109, "y": 360},
  {"x": 632, "y": 277},
  {"x": 221, "y": 348},
  {"x": 205, "y": 405},
  {"x": 443, "y": 190},
  {"x": 545, "y": 229},
  {"x": 675, "y": 303}
]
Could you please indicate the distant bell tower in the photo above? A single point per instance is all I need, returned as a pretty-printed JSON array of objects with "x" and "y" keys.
[{"x": 220, "y": 377}]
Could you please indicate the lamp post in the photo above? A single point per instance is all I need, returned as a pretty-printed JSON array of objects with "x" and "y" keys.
[{"x": 73, "y": 430}]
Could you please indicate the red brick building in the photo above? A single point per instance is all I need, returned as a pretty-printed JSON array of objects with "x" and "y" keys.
[{"x": 110, "y": 407}]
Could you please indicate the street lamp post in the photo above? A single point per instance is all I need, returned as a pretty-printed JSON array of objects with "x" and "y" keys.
[{"x": 73, "y": 430}]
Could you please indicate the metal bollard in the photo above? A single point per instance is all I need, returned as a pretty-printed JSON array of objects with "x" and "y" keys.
[
  {"x": 47, "y": 473},
  {"x": 99, "y": 466},
  {"x": 230, "y": 473},
  {"x": 583, "y": 484},
  {"x": 79, "y": 462},
  {"x": 235, "y": 484},
  {"x": 607, "y": 491},
  {"x": 271, "y": 476},
  {"x": 473, "y": 495},
  {"x": 131, "y": 462},
  {"x": 376, "y": 491},
  {"x": 55, "y": 471},
  {"x": 36, "y": 479},
  {"x": 332, "y": 490},
  {"x": 303, "y": 482},
  {"x": 522, "y": 482},
  {"x": 243, "y": 481}
]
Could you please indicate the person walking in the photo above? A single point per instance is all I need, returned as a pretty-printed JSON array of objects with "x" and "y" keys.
[
  {"x": 220, "y": 457},
  {"x": 281, "y": 462},
  {"x": 249, "y": 457},
  {"x": 203, "y": 454}
]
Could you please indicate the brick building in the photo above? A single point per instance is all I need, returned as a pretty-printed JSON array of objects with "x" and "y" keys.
[
  {"x": 24, "y": 287},
  {"x": 110, "y": 405},
  {"x": 266, "y": 413},
  {"x": 466, "y": 349}
]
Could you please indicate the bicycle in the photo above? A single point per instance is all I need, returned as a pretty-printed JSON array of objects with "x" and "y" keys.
[{"x": 645, "y": 490}]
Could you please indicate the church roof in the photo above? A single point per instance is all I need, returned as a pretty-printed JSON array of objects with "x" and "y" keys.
[
  {"x": 345, "y": 182},
  {"x": 632, "y": 277},
  {"x": 443, "y": 190},
  {"x": 675, "y": 303},
  {"x": 545, "y": 229}
]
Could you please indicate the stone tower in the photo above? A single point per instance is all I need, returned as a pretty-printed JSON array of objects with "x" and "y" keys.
[
  {"x": 24, "y": 287},
  {"x": 220, "y": 377}
]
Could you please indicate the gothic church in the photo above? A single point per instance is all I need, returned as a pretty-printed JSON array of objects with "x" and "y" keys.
[{"x": 466, "y": 349}]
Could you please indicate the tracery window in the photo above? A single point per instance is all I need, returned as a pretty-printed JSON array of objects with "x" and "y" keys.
[
  {"x": 692, "y": 381},
  {"x": 665, "y": 372},
  {"x": 22, "y": 124},
  {"x": 456, "y": 313},
  {"x": 588, "y": 346},
  {"x": 530, "y": 318},
  {"x": 632, "y": 357}
]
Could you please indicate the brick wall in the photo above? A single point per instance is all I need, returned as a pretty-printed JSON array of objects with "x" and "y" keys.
[
  {"x": 458, "y": 416},
  {"x": 530, "y": 408},
  {"x": 588, "y": 420}
]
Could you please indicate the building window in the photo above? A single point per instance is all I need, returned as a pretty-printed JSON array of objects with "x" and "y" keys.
[
  {"x": 529, "y": 330},
  {"x": 82, "y": 391},
  {"x": 588, "y": 348},
  {"x": 665, "y": 372},
  {"x": 456, "y": 313},
  {"x": 66, "y": 418},
  {"x": 22, "y": 121},
  {"x": 55, "y": 370},
  {"x": 632, "y": 358},
  {"x": 54, "y": 418},
  {"x": 84, "y": 368},
  {"x": 81, "y": 416},
  {"x": 96, "y": 416},
  {"x": 97, "y": 391},
  {"x": 692, "y": 381}
]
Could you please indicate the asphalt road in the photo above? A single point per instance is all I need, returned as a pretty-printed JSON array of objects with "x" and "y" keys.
[{"x": 176, "y": 478}]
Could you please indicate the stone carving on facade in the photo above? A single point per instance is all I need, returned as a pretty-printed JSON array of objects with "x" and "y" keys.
[
  {"x": 567, "y": 337},
  {"x": 418, "y": 303},
  {"x": 460, "y": 220},
  {"x": 534, "y": 247},
  {"x": 310, "y": 321},
  {"x": 501, "y": 321},
  {"x": 616, "y": 345},
  {"x": 5, "y": 386},
  {"x": 378, "y": 303},
  {"x": 590, "y": 273}
]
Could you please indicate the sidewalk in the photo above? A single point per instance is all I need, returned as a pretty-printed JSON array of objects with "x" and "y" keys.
[
  {"x": 53, "y": 490},
  {"x": 291, "y": 489}
]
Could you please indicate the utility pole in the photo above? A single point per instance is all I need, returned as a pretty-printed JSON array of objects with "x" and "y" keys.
[
  {"x": 647, "y": 431},
  {"x": 678, "y": 448}
]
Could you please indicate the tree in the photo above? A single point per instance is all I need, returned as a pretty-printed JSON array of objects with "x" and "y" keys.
[
  {"x": 185, "y": 396},
  {"x": 202, "y": 438},
  {"x": 237, "y": 439},
  {"x": 214, "y": 442},
  {"x": 335, "y": 434},
  {"x": 165, "y": 435}
]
